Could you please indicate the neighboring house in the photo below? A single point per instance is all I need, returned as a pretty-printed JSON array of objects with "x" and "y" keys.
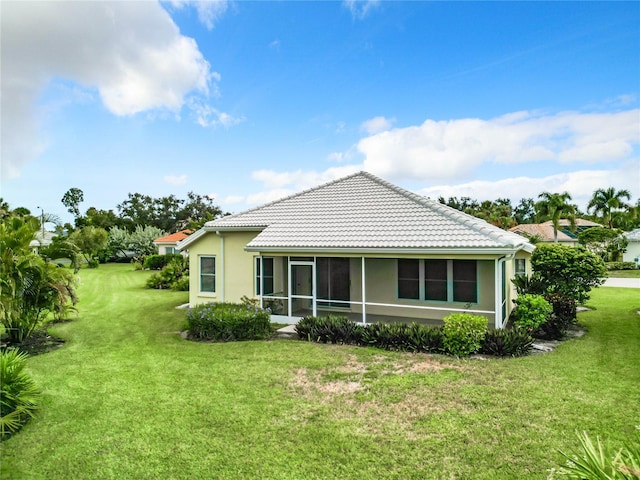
[
  {"x": 167, "y": 244},
  {"x": 632, "y": 254},
  {"x": 41, "y": 239},
  {"x": 362, "y": 247},
  {"x": 544, "y": 231}
]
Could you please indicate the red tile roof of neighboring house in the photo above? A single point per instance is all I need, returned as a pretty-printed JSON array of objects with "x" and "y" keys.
[
  {"x": 174, "y": 237},
  {"x": 542, "y": 230}
]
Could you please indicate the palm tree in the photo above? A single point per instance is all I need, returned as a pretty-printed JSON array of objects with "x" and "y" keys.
[
  {"x": 555, "y": 206},
  {"x": 605, "y": 201}
]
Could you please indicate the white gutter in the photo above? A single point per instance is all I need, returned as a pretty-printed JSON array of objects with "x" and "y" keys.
[{"x": 311, "y": 251}]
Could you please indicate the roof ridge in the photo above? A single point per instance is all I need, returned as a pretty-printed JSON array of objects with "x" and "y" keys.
[
  {"x": 289, "y": 197},
  {"x": 477, "y": 224}
]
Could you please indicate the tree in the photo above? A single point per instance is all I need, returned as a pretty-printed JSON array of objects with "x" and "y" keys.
[
  {"x": 554, "y": 207},
  {"x": 72, "y": 199},
  {"x": 568, "y": 271},
  {"x": 606, "y": 201},
  {"x": 141, "y": 240},
  {"x": 169, "y": 213},
  {"x": 90, "y": 241},
  {"x": 607, "y": 243},
  {"x": 94, "y": 217},
  {"x": 525, "y": 211},
  {"x": 30, "y": 288}
]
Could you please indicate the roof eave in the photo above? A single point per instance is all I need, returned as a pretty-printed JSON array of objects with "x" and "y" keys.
[{"x": 394, "y": 250}]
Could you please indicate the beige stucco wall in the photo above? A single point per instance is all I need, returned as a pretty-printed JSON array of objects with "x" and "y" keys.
[{"x": 234, "y": 267}]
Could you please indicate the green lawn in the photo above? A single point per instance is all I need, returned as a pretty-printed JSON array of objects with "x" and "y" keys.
[
  {"x": 127, "y": 398},
  {"x": 625, "y": 273}
]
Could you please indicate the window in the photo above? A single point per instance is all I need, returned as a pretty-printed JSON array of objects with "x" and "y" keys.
[
  {"x": 267, "y": 276},
  {"x": 465, "y": 279},
  {"x": 208, "y": 274},
  {"x": 438, "y": 280},
  {"x": 409, "y": 279},
  {"x": 435, "y": 280},
  {"x": 171, "y": 250},
  {"x": 521, "y": 266}
]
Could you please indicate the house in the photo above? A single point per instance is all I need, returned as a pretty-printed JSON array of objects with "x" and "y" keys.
[
  {"x": 42, "y": 238},
  {"x": 362, "y": 247},
  {"x": 545, "y": 234},
  {"x": 632, "y": 253},
  {"x": 168, "y": 243}
]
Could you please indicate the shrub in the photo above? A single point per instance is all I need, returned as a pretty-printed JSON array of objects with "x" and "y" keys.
[
  {"x": 225, "y": 322},
  {"x": 564, "y": 308},
  {"x": 507, "y": 343},
  {"x": 329, "y": 329},
  {"x": 531, "y": 311},
  {"x": 18, "y": 393},
  {"x": 182, "y": 284},
  {"x": 600, "y": 462},
  {"x": 569, "y": 271},
  {"x": 621, "y": 266},
  {"x": 158, "y": 262},
  {"x": 387, "y": 336},
  {"x": 463, "y": 333},
  {"x": 171, "y": 275}
]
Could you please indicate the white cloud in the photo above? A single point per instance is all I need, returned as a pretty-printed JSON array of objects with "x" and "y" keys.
[
  {"x": 446, "y": 150},
  {"x": 131, "y": 53},
  {"x": 209, "y": 11},
  {"x": 277, "y": 185},
  {"x": 176, "y": 179},
  {"x": 231, "y": 199},
  {"x": 360, "y": 8},
  {"x": 208, "y": 116},
  {"x": 376, "y": 125},
  {"x": 580, "y": 184}
]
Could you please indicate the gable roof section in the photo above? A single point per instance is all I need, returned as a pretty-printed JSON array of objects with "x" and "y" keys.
[
  {"x": 174, "y": 237},
  {"x": 363, "y": 212}
]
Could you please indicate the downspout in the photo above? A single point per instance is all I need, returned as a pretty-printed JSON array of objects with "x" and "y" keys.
[{"x": 221, "y": 265}]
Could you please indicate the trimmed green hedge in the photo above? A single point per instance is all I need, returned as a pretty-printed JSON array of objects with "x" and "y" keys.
[
  {"x": 227, "y": 322},
  {"x": 158, "y": 262},
  {"x": 621, "y": 266}
]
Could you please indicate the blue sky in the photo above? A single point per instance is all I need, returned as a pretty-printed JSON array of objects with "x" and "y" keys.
[{"x": 251, "y": 101}]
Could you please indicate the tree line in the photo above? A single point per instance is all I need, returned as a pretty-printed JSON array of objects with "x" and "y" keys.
[
  {"x": 607, "y": 206},
  {"x": 169, "y": 214}
]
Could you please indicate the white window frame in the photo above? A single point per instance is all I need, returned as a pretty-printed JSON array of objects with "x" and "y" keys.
[
  {"x": 200, "y": 274},
  {"x": 517, "y": 263}
]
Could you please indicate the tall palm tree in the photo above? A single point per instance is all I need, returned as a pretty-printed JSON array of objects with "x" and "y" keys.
[
  {"x": 605, "y": 201},
  {"x": 556, "y": 206}
]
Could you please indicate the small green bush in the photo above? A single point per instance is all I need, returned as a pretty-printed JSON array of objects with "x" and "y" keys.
[
  {"x": 18, "y": 392},
  {"x": 564, "y": 308},
  {"x": 174, "y": 275},
  {"x": 463, "y": 333},
  {"x": 507, "y": 343},
  {"x": 621, "y": 266},
  {"x": 226, "y": 322},
  {"x": 531, "y": 311},
  {"x": 158, "y": 262},
  {"x": 93, "y": 263}
]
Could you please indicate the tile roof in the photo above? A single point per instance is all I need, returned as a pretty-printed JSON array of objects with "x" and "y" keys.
[
  {"x": 174, "y": 237},
  {"x": 362, "y": 211},
  {"x": 579, "y": 222},
  {"x": 633, "y": 235},
  {"x": 542, "y": 230}
]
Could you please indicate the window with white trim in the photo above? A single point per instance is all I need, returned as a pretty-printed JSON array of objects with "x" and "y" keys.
[
  {"x": 438, "y": 280},
  {"x": 208, "y": 274},
  {"x": 521, "y": 266}
]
